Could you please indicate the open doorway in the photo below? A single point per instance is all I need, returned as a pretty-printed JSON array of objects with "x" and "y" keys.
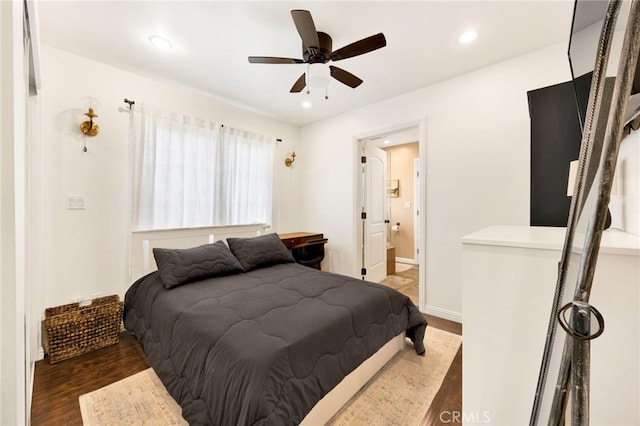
[
  {"x": 402, "y": 161},
  {"x": 402, "y": 201}
]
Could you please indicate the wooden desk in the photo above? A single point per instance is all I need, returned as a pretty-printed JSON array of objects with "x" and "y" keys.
[{"x": 307, "y": 248}]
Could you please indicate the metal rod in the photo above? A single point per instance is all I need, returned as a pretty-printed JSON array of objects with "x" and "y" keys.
[
  {"x": 581, "y": 322},
  {"x": 593, "y": 108},
  {"x": 612, "y": 139},
  {"x": 131, "y": 103}
]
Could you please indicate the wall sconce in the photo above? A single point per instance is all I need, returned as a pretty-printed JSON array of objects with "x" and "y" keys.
[
  {"x": 88, "y": 127},
  {"x": 290, "y": 159}
]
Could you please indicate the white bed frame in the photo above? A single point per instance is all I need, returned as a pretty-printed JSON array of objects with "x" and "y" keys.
[
  {"x": 142, "y": 263},
  {"x": 334, "y": 400},
  {"x": 143, "y": 242}
]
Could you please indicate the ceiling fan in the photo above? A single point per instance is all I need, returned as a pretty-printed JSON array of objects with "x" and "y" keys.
[{"x": 316, "y": 49}]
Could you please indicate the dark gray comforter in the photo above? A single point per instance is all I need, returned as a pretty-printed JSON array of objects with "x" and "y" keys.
[{"x": 263, "y": 347}]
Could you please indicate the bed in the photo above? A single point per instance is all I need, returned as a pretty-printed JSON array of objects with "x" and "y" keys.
[{"x": 240, "y": 334}]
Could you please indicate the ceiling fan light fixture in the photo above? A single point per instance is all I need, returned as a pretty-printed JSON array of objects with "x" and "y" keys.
[{"x": 318, "y": 76}]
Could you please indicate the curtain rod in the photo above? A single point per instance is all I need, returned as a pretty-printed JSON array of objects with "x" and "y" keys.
[{"x": 131, "y": 103}]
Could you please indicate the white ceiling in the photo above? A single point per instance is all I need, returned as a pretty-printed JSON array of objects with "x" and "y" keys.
[{"x": 212, "y": 40}]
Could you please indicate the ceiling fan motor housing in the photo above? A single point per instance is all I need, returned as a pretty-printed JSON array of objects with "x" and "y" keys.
[{"x": 322, "y": 53}]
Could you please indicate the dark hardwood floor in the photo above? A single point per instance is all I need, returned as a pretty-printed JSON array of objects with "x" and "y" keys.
[
  {"x": 57, "y": 387},
  {"x": 447, "y": 404}
]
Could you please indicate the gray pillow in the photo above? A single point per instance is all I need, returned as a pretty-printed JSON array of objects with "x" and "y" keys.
[
  {"x": 259, "y": 252},
  {"x": 181, "y": 266}
]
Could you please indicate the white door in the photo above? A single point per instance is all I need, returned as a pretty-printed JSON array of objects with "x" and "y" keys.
[{"x": 375, "y": 228}]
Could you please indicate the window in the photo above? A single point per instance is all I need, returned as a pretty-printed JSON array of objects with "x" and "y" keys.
[{"x": 189, "y": 172}]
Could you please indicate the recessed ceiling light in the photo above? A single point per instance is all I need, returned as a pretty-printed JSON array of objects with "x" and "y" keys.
[
  {"x": 306, "y": 104},
  {"x": 160, "y": 42},
  {"x": 467, "y": 37},
  {"x": 387, "y": 141}
]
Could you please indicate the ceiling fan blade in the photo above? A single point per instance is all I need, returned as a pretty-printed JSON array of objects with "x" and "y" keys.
[
  {"x": 272, "y": 60},
  {"x": 299, "y": 84},
  {"x": 306, "y": 28},
  {"x": 345, "y": 77},
  {"x": 360, "y": 47}
]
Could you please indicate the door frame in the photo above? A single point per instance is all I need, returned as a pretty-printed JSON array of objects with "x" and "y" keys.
[{"x": 421, "y": 225}]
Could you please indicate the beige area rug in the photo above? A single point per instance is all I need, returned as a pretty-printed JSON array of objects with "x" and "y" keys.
[
  {"x": 395, "y": 281},
  {"x": 402, "y": 391},
  {"x": 399, "y": 394},
  {"x": 140, "y": 399},
  {"x": 406, "y": 282}
]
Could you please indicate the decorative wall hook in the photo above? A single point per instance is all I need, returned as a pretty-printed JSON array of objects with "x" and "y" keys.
[{"x": 290, "y": 159}]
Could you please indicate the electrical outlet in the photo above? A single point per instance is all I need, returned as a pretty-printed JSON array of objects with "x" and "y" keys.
[{"x": 76, "y": 202}]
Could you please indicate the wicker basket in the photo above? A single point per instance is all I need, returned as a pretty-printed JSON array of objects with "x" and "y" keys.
[{"x": 72, "y": 330}]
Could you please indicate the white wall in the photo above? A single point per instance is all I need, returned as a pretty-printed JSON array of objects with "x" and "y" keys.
[
  {"x": 13, "y": 94},
  {"x": 86, "y": 250},
  {"x": 477, "y": 164}
]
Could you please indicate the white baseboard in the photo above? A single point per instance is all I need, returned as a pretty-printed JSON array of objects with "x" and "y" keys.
[
  {"x": 442, "y": 313},
  {"x": 406, "y": 260}
]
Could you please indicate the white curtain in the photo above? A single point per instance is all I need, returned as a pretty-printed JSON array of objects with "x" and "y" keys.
[{"x": 188, "y": 172}]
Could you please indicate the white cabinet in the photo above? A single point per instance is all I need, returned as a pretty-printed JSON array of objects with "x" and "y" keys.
[{"x": 509, "y": 277}]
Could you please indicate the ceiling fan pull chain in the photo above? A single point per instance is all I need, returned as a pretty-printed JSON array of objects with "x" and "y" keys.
[{"x": 326, "y": 92}]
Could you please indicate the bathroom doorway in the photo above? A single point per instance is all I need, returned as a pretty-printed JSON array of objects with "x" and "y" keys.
[
  {"x": 402, "y": 204},
  {"x": 401, "y": 200}
]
